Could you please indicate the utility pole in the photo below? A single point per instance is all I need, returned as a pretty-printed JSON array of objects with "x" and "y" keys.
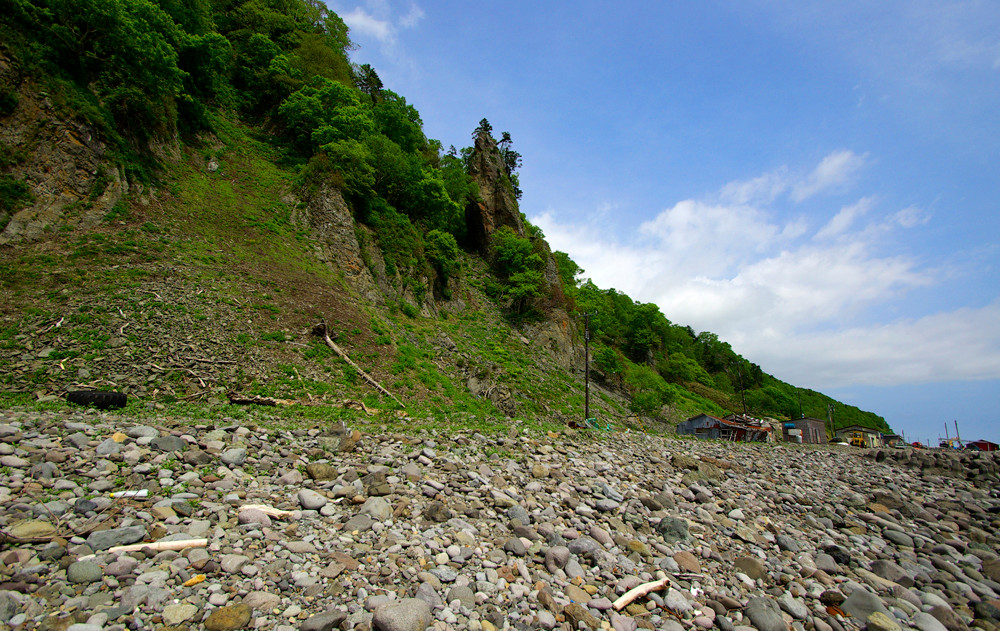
[
  {"x": 586, "y": 366},
  {"x": 829, "y": 414},
  {"x": 743, "y": 392}
]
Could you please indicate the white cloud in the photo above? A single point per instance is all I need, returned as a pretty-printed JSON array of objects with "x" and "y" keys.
[
  {"x": 797, "y": 301},
  {"x": 412, "y": 18},
  {"x": 764, "y": 189},
  {"x": 380, "y": 20},
  {"x": 963, "y": 344},
  {"x": 843, "y": 220},
  {"x": 911, "y": 217},
  {"x": 360, "y": 21},
  {"x": 836, "y": 171}
]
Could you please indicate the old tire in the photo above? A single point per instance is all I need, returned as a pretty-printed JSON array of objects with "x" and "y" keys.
[{"x": 100, "y": 399}]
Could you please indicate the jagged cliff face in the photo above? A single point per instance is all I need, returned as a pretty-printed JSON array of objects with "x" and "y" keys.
[
  {"x": 499, "y": 204},
  {"x": 63, "y": 161}
]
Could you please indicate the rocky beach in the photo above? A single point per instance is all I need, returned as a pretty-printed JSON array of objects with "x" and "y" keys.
[{"x": 334, "y": 528}]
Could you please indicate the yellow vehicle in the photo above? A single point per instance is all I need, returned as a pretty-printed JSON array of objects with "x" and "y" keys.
[{"x": 857, "y": 439}]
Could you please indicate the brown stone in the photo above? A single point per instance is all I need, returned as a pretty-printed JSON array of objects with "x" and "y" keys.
[
  {"x": 228, "y": 618},
  {"x": 689, "y": 562},
  {"x": 751, "y": 566},
  {"x": 576, "y": 614},
  {"x": 321, "y": 471}
]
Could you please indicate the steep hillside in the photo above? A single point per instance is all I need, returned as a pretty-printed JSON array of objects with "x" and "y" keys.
[
  {"x": 214, "y": 283},
  {"x": 187, "y": 190}
]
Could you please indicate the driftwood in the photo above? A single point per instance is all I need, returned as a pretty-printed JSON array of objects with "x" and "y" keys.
[
  {"x": 322, "y": 329},
  {"x": 253, "y": 399},
  {"x": 267, "y": 510},
  {"x": 158, "y": 546},
  {"x": 162, "y": 545},
  {"x": 639, "y": 592}
]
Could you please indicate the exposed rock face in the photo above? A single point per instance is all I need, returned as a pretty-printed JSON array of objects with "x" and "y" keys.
[
  {"x": 63, "y": 161},
  {"x": 327, "y": 214},
  {"x": 350, "y": 248},
  {"x": 555, "y": 336},
  {"x": 499, "y": 206}
]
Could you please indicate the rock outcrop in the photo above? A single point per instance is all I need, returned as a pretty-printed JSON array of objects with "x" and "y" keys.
[
  {"x": 64, "y": 162},
  {"x": 498, "y": 207}
]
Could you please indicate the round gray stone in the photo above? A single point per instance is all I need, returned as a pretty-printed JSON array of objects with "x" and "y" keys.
[
  {"x": 765, "y": 614},
  {"x": 84, "y": 572}
]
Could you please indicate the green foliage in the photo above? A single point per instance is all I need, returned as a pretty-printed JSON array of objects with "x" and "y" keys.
[
  {"x": 401, "y": 244},
  {"x": 408, "y": 310},
  {"x": 443, "y": 254},
  {"x": 608, "y": 361},
  {"x": 679, "y": 368},
  {"x": 649, "y": 391},
  {"x": 511, "y": 161},
  {"x": 519, "y": 267},
  {"x": 568, "y": 271},
  {"x": 322, "y": 112},
  {"x": 126, "y": 49},
  {"x": 13, "y": 194},
  {"x": 350, "y": 161},
  {"x": 368, "y": 81},
  {"x": 8, "y": 101},
  {"x": 399, "y": 122}
]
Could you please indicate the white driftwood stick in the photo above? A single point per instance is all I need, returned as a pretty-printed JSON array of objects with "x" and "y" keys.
[
  {"x": 638, "y": 592},
  {"x": 162, "y": 545},
  {"x": 371, "y": 380},
  {"x": 267, "y": 510}
]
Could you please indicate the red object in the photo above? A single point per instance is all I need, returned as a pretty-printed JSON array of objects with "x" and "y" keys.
[
  {"x": 984, "y": 445},
  {"x": 918, "y": 445}
]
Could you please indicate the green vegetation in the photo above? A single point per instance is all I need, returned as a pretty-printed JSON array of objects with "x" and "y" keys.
[{"x": 264, "y": 89}]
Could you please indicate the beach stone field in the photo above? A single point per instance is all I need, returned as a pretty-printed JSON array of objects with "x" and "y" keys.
[{"x": 334, "y": 528}]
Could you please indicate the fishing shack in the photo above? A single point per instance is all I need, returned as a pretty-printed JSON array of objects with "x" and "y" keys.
[{"x": 708, "y": 426}]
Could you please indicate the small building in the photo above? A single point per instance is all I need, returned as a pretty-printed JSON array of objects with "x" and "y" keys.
[
  {"x": 807, "y": 430},
  {"x": 708, "y": 426},
  {"x": 859, "y": 436},
  {"x": 982, "y": 445},
  {"x": 893, "y": 440}
]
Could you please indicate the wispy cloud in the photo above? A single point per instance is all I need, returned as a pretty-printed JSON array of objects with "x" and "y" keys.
[
  {"x": 835, "y": 172},
  {"x": 843, "y": 220},
  {"x": 794, "y": 299},
  {"x": 360, "y": 21},
  {"x": 382, "y": 21}
]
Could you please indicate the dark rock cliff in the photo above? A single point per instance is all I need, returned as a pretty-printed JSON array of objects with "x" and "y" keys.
[
  {"x": 499, "y": 204},
  {"x": 63, "y": 161}
]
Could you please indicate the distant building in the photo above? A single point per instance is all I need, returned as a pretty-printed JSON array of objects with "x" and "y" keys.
[
  {"x": 708, "y": 426},
  {"x": 982, "y": 445},
  {"x": 892, "y": 440},
  {"x": 807, "y": 430},
  {"x": 859, "y": 436}
]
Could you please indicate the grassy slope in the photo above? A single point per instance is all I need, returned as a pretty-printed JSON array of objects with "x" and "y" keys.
[
  {"x": 211, "y": 263},
  {"x": 212, "y": 260}
]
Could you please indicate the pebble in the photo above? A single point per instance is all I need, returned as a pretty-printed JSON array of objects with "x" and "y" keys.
[{"x": 437, "y": 531}]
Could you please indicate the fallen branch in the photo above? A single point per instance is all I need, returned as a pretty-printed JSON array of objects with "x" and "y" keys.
[
  {"x": 157, "y": 546},
  {"x": 267, "y": 510},
  {"x": 162, "y": 545},
  {"x": 253, "y": 399},
  {"x": 322, "y": 329},
  {"x": 639, "y": 592}
]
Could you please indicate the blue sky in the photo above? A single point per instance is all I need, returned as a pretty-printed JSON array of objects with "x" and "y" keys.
[{"x": 818, "y": 183}]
